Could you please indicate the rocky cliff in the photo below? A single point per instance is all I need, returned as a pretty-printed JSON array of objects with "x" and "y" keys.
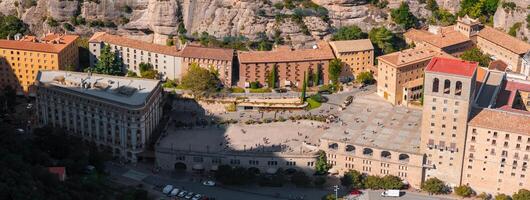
[{"x": 155, "y": 20}]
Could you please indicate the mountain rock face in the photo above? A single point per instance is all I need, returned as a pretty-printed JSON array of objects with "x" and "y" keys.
[
  {"x": 156, "y": 20},
  {"x": 505, "y": 19}
]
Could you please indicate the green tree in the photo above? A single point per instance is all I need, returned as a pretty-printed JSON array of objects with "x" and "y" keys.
[
  {"x": 272, "y": 77},
  {"x": 403, "y": 16},
  {"x": 11, "y": 25},
  {"x": 316, "y": 76},
  {"x": 432, "y": 5},
  {"x": 321, "y": 165},
  {"x": 502, "y": 197},
  {"x": 352, "y": 178},
  {"x": 463, "y": 191},
  {"x": 481, "y": 9},
  {"x": 365, "y": 77},
  {"x": 384, "y": 40},
  {"x": 131, "y": 74},
  {"x": 199, "y": 80},
  {"x": 442, "y": 17},
  {"x": 476, "y": 55},
  {"x": 319, "y": 181},
  {"x": 522, "y": 194},
  {"x": 392, "y": 182},
  {"x": 107, "y": 63},
  {"x": 373, "y": 182},
  {"x": 434, "y": 186},
  {"x": 304, "y": 88},
  {"x": 484, "y": 196},
  {"x": 349, "y": 33},
  {"x": 299, "y": 178},
  {"x": 513, "y": 30},
  {"x": 335, "y": 67}
]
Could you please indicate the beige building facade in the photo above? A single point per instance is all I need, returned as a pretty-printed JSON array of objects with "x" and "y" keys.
[
  {"x": 449, "y": 91},
  {"x": 119, "y": 114},
  {"x": 400, "y": 74},
  {"x": 217, "y": 59},
  {"x": 357, "y": 56}
]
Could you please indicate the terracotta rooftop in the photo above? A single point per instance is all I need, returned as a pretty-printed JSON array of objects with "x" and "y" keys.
[
  {"x": 131, "y": 43},
  {"x": 53, "y": 43},
  {"x": 504, "y": 40},
  {"x": 285, "y": 54},
  {"x": 192, "y": 51},
  {"x": 408, "y": 56},
  {"x": 452, "y": 66},
  {"x": 501, "y": 120},
  {"x": 498, "y": 65},
  {"x": 351, "y": 45},
  {"x": 445, "y": 37}
]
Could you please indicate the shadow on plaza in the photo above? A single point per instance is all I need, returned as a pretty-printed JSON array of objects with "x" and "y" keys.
[{"x": 199, "y": 157}]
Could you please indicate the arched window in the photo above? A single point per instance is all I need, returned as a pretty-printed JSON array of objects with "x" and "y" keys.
[
  {"x": 447, "y": 86},
  {"x": 350, "y": 148},
  {"x": 368, "y": 152},
  {"x": 435, "y": 85},
  {"x": 386, "y": 154},
  {"x": 333, "y": 146},
  {"x": 403, "y": 157},
  {"x": 458, "y": 90}
]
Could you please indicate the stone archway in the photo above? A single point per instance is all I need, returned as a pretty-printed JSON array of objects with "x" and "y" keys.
[{"x": 180, "y": 166}]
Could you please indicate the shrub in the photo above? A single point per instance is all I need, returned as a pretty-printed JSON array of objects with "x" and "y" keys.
[
  {"x": 299, "y": 178},
  {"x": 68, "y": 27},
  {"x": 463, "y": 191},
  {"x": 319, "y": 181},
  {"x": 434, "y": 185},
  {"x": 237, "y": 90},
  {"x": 52, "y": 22},
  {"x": 254, "y": 85}
]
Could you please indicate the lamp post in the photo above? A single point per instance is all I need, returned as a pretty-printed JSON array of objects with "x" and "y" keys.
[{"x": 336, "y": 188}]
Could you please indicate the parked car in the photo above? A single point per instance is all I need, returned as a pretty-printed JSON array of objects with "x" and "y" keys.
[
  {"x": 167, "y": 190},
  {"x": 197, "y": 197},
  {"x": 208, "y": 183},
  {"x": 182, "y": 194},
  {"x": 356, "y": 192},
  {"x": 189, "y": 195},
  {"x": 174, "y": 192}
]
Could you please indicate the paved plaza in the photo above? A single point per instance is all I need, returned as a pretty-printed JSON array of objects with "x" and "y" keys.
[
  {"x": 286, "y": 137},
  {"x": 370, "y": 121}
]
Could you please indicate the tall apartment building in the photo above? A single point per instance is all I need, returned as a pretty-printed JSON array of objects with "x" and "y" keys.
[
  {"x": 219, "y": 59},
  {"x": 400, "y": 74},
  {"x": 118, "y": 113},
  {"x": 497, "y": 151},
  {"x": 22, "y": 58},
  {"x": 470, "y": 32},
  {"x": 357, "y": 56},
  {"x": 165, "y": 59},
  {"x": 449, "y": 92},
  {"x": 290, "y": 65}
]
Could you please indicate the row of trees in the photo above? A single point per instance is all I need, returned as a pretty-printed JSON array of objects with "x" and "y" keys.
[
  {"x": 384, "y": 40},
  {"x": 355, "y": 179},
  {"x": 437, "y": 186}
]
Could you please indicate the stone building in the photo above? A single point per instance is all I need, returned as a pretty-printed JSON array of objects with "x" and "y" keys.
[
  {"x": 291, "y": 65},
  {"x": 218, "y": 59},
  {"x": 165, "y": 59},
  {"x": 449, "y": 91},
  {"x": 400, "y": 74},
  {"x": 119, "y": 114},
  {"x": 22, "y": 58},
  {"x": 470, "y": 32},
  {"x": 357, "y": 56}
]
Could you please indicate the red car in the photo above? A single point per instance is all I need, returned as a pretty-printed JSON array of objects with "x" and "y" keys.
[{"x": 355, "y": 192}]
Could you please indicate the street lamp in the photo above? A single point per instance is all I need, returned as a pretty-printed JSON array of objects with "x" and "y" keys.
[{"x": 336, "y": 188}]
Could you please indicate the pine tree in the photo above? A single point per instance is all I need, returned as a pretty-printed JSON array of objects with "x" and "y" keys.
[
  {"x": 304, "y": 88},
  {"x": 108, "y": 63}
]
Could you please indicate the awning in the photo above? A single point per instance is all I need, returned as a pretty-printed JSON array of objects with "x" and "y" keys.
[
  {"x": 214, "y": 168},
  {"x": 333, "y": 170},
  {"x": 272, "y": 171},
  {"x": 198, "y": 167}
]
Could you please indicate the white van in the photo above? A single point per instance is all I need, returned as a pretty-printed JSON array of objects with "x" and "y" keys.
[{"x": 390, "y": 193}]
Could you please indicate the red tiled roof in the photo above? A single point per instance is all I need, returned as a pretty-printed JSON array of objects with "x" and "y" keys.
[
  {"x": 284, "y": 54},
  {"x": 452, "y": 66},
  {"x": 131, "y": 43},
  {"x": 53, "y": 43},
  {"x": 498, "y": 65},
  {"x": 504, "y": 40},
  {"x": 192, "y": 51}
]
